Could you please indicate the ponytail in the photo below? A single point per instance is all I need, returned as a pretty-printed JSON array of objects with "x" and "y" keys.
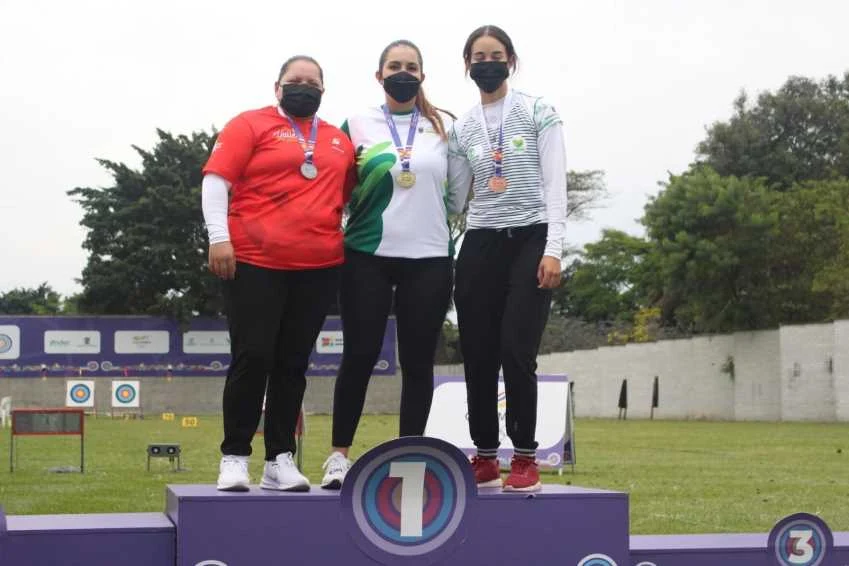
[{"x": 431, "y": 112}]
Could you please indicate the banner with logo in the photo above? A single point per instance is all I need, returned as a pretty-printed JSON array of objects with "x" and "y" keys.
[
  {"x": 79, "y": 393},
  {"x": 125, "y": 394},
  {"x": 135, "y": 346},
  {"x": 449, "y": 419}
]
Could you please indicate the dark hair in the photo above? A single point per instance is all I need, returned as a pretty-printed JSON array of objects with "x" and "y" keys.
[
  {"x": 497, "y": 33},
  {"x": 296, "y": 58},
  {"x": 430, "y": 111}
]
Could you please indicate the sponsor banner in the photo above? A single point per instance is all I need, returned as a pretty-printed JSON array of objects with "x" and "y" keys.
[
  {"x": 10, "y": 341},
  {"x": 139, "y": 342},
  {"x": 137, "y": 346},
  {"x": 72, "y": 342},
  {"x": 329, "y": 342},
  {"x": 206, "y": 342}
]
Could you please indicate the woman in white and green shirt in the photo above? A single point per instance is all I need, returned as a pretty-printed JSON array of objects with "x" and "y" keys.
[
  {"x": 510, "y": 146},
  {"x": 397, "y": 246}
]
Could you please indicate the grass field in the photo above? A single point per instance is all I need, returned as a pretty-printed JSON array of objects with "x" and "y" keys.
[{"x": 682, "y": 477}]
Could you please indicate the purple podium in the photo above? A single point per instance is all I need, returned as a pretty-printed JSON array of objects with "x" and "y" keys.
[
  {"x": 131, "y": 539},
  {"x": 412, "y": 500},
  {"x": 409, "y": 501},
  {"x": 724, "y": 549}
]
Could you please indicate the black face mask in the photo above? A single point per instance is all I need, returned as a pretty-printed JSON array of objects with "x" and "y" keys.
[
  {"x": 300, "y": 100},
  {"x": 402, "y": 86},
  {"x": 489, "y": 75}
]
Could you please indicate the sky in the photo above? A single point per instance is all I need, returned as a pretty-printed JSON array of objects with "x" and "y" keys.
[{"x": 636, "y": 82}]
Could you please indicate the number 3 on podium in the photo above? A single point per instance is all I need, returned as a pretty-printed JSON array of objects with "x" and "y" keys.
[{"x": 803, "y": 552}]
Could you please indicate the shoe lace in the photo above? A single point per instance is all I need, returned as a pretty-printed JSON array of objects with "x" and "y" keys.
[
  {"x": 285, "y": 458},
  {"x": 335, "y": 463},
  {"x": 478, "y": 462},
  {"x": 521, "y": 465},
  {"x": 235, "y": 464}
]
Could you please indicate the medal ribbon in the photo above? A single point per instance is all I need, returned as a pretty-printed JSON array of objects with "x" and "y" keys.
[
  {"x": 404, "y": 153},
  {"x": 497, "y": 152},
  {"x": 308, "y": 148}
]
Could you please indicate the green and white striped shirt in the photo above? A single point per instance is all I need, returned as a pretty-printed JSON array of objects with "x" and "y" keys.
[{"x": 534, "y": 163}]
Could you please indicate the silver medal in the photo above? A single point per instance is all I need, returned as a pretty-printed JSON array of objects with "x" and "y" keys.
[{"x": 309, "y": 170}]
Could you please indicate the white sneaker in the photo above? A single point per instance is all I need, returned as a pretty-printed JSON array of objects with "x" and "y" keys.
[
  {"x": 282, "y": 474},
  {"x": 336, "y": 467},
  {"x": 233, "y": 474}
]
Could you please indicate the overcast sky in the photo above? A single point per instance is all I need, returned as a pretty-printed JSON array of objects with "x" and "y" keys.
[{"x": 636, "y": 82}]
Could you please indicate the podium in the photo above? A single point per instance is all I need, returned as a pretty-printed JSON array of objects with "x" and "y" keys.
[
  {"x": 412, "y": 500},
  {"x": 408, "y": 501},
  {"x": 558, "y": 525},
  {"x": 129, "y": 539}
]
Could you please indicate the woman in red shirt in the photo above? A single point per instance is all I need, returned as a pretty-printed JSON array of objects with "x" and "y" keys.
[{"x": 278, "y": 245}]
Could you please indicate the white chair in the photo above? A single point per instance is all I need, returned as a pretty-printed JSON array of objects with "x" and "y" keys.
[{"x": 5, "y": 411}]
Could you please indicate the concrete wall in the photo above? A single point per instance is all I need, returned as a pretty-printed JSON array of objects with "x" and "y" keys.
[
  {"x": 793, "y": 373},
  {"x": 807, "y": 382},
  {"x": 757, "y": 376},
  {"x": 188, "y": 395},
  {"x": 840, "y": 361},
  {"x": 692, "y": 384}
]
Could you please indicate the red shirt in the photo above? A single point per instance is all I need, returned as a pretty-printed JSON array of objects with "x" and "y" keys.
[{"x": 278, "y": 218}]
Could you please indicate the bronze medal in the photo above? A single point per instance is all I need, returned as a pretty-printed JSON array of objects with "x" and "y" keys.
[{"x": 497, "y": 184}]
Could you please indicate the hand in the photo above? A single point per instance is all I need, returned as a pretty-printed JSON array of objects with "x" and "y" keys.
[
  {"x": 548, "y": 273},
  {"x": 222, "y": 260}
]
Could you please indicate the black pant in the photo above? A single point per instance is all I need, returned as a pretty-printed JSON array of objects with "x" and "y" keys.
[
  {"x": 274, "y": 317},
  {"x": 501, "y": 312},
  {"x": 422, "y": 293}
]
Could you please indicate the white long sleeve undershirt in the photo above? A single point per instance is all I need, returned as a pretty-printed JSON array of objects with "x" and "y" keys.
[
  {"x": 214, "y": 199},
  {"x": 552, "y": 157}
]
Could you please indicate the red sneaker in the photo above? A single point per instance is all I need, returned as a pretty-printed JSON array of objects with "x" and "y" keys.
[
  {"x": 487, "y": 473},
  {"x": 524, "y": 475}
]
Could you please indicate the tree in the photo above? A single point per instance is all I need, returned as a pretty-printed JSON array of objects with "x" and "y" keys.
[
  {"x": 811, "y": 264},
  {"x": 606, "y": 282},
  {"x": 799, "y": 133},
  {"x": 71, "y": 304},
  {"x": 712, "y": 241},
  {"x": 42, "y": 300},
  {"x": 586, "y": 192},
  {"x": 146, "y": 236},
  {"x": 754, "y": 234},
  {"x": 731, "y": 254}
]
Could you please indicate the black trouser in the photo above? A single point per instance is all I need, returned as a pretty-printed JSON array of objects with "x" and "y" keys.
[
  {"x": 422, "y": 292},
  {"x": 501, "y": 312},
  {"x": 274, "y": 317}
]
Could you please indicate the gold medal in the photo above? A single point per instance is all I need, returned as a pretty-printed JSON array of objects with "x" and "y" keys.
[
  {"x": 497, "y": 184},
  {"x": 406, "y": 179}
]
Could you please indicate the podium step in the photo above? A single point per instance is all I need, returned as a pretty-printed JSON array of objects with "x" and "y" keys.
[
  {"x": 726, "y": 549},
  {"x": 129, "y": 539},
  {"x": 560, "y": 524}
]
